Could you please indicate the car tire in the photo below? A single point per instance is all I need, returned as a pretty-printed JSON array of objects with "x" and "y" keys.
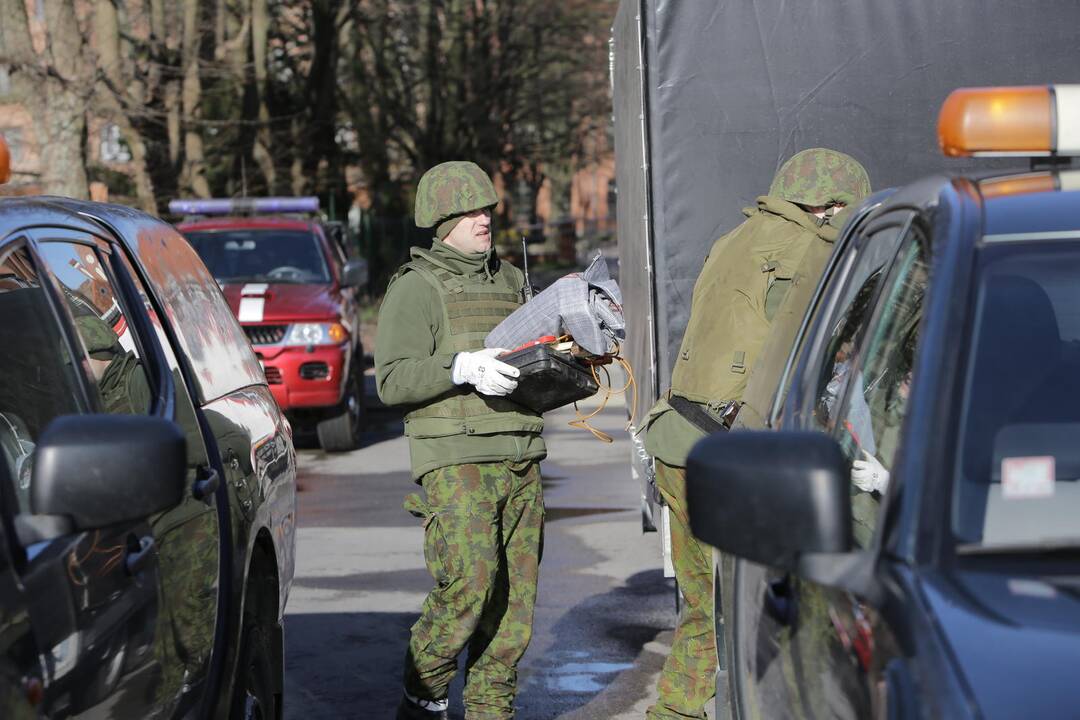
[
  {"x": 341, "y": 431},
  {"x": 254, "y": 697}
]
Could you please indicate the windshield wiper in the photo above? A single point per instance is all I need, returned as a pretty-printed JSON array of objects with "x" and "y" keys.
[{"x": 1061, "y": 546}]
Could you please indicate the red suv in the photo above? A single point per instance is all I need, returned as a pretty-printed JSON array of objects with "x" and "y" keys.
[{"x": 294, "y": 293}]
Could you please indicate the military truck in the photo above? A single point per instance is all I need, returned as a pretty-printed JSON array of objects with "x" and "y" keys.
[{"x": 710, "y": 98}]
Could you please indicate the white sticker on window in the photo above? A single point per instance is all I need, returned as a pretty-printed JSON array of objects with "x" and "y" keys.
[
  {"x": 1024, "y": 478},
  {"x": 1032, "y": 588}
]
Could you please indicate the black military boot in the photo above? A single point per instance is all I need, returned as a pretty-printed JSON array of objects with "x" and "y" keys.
[{"x": 419, "y": 709}]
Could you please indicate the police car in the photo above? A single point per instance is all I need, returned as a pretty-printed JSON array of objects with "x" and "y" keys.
[{"x": 898, "y": 518}]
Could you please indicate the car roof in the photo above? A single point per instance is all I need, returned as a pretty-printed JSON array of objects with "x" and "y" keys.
[
  {"x": 246, "y": 223},
  {"x": 1031, "y": 209},
  {"x": 1015, "y": 205},
  {"x": 30, "y": 211}
]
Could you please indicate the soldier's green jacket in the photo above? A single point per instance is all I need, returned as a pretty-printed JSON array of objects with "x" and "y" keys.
[
  {"x": 414, "y": 350},
  {"x": 743, "y": 286}
]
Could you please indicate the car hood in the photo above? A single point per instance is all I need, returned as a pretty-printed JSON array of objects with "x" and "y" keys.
[
  {"x": 281, "y": 302},
  {"x": 1016, "y": 638}
]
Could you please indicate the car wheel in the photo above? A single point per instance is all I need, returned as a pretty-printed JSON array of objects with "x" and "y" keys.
[
  {"x": 341, "y": 431},
  {"x": 254, "y": 697}
]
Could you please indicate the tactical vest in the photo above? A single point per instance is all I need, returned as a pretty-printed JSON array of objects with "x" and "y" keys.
[
  {"x": 472, "y": 307},
  {"x": 729, "y": 322}
]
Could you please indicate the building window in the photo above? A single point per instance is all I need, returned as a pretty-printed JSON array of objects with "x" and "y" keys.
[{"x": 113, "y": 147}]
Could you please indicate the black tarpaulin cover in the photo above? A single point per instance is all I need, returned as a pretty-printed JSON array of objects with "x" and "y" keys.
[{"x": 732, "y": 88}]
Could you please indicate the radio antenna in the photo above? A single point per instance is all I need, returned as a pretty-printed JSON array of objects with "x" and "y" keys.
[{"x": 525, "y": 262}]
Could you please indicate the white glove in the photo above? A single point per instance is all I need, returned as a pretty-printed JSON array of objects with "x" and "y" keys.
[
  {"x": 869, "y": 475},
  {"x": 481, "y": 370}
]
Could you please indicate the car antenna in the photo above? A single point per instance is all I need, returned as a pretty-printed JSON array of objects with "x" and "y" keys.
[{"x": 527, "y": 290}]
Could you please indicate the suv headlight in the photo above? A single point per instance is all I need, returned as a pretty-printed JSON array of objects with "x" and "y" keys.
[{"x": 316, "y": 334}]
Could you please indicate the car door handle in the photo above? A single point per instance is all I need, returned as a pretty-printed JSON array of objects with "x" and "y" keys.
[
  {"x": 780, "y": 600},
  {"x": 138, "y": 557},
  {"x": 206, "y": 483}
]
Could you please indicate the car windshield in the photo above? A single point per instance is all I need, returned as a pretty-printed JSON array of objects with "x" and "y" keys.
[
  {"x": 265, "y": 255},
  {"x": 1018, "y": 456}
]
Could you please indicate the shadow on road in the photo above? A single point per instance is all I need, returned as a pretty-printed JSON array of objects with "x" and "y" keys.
[
  {"x": 598, "y": 640},
  {"x": 344, "y": 665}
]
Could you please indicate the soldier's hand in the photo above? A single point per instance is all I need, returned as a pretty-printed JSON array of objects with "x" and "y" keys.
[
  {"x": 484, "y": 372},
  {"x": 869, "y": 475}
]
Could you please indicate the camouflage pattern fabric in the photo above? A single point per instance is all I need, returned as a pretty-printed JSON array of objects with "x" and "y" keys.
[
  {"x": 123, "y": 386},
  {"x": 452, "y": 188},
  {"x": 819, "y": 177},
  {"x": 688, "y": 679},
  {"x": 483, "y": 536},
  {"x": 100, "y": 340}
]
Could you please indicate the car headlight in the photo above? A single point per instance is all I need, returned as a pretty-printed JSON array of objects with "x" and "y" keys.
[{"x": 316, "y": 334}]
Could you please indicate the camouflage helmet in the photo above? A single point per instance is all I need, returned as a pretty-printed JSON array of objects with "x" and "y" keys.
[
  {"x": 452, "y": 188},
  {"x": 100, "y": 340},
  {"x": 819, "y": 176}
]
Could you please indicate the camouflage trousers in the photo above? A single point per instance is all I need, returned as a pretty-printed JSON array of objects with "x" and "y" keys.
[
  {"x": 688, "y": 679},
  {"x": 483, "y": 536}
]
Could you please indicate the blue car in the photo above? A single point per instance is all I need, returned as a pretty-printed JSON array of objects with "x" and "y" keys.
[
  {"x": 147, "y": 478},
  {"x": 898, "y": 523}
]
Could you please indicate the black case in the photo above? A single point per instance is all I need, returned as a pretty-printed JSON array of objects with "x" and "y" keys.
[{"x": 549, "y": 379}]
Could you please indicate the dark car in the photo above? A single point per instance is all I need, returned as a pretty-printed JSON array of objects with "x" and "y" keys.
[
  {"x": 899, "y": 521},
  {"x": 148, "y": 482},
  {"x": 295, "y": 294}
]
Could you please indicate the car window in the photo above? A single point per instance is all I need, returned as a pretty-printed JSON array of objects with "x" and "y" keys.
[
  {"x": 867, "y": 425},
  {"x": 207, "y": 333},
  {"x": 1017, "y": 466},
  {"x": 40, "y": 380},
  {"x": 113, "y": 357},
  {"x": 265, "y": 255},
  {"x": 848, "y": 322},
  {"x": 185, "y": 408}
]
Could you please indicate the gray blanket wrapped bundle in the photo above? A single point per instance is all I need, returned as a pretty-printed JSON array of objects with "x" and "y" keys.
[{"x": 586, "y": 305}]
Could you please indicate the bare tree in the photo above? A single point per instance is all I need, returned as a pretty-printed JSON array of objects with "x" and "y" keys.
[
  {"x": 514, "y": 86},
  {"x": 231, "y": 96},
  {"x": 49, "y": 77}
]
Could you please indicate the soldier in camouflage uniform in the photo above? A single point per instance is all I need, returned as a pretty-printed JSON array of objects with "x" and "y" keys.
[
  {"x": 121, "y": 379},
  {"x": 742, "y": 287},
  {"x": 475, "y": 452}
]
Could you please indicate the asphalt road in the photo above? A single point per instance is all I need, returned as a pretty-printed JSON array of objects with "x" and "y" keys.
[{"x": 604, "y": 614}]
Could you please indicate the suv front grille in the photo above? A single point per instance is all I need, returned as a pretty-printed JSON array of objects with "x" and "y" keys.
[
  {"x": 273, "y": 375},
  {"x": 265, "y": 334}
]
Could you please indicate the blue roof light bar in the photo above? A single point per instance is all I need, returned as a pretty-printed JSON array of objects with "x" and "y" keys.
[{"x": 244, "y": 206}]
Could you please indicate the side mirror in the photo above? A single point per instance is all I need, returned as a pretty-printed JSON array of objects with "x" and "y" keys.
[
  {"x": 770, "y": 497},
  {"x": 5, "y": 161},
  {"x": 99, "y": 470},
  {"x": 355, "y": 273}
]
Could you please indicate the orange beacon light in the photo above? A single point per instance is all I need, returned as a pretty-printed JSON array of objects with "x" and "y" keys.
[{"x": 1031, "y": 121}]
